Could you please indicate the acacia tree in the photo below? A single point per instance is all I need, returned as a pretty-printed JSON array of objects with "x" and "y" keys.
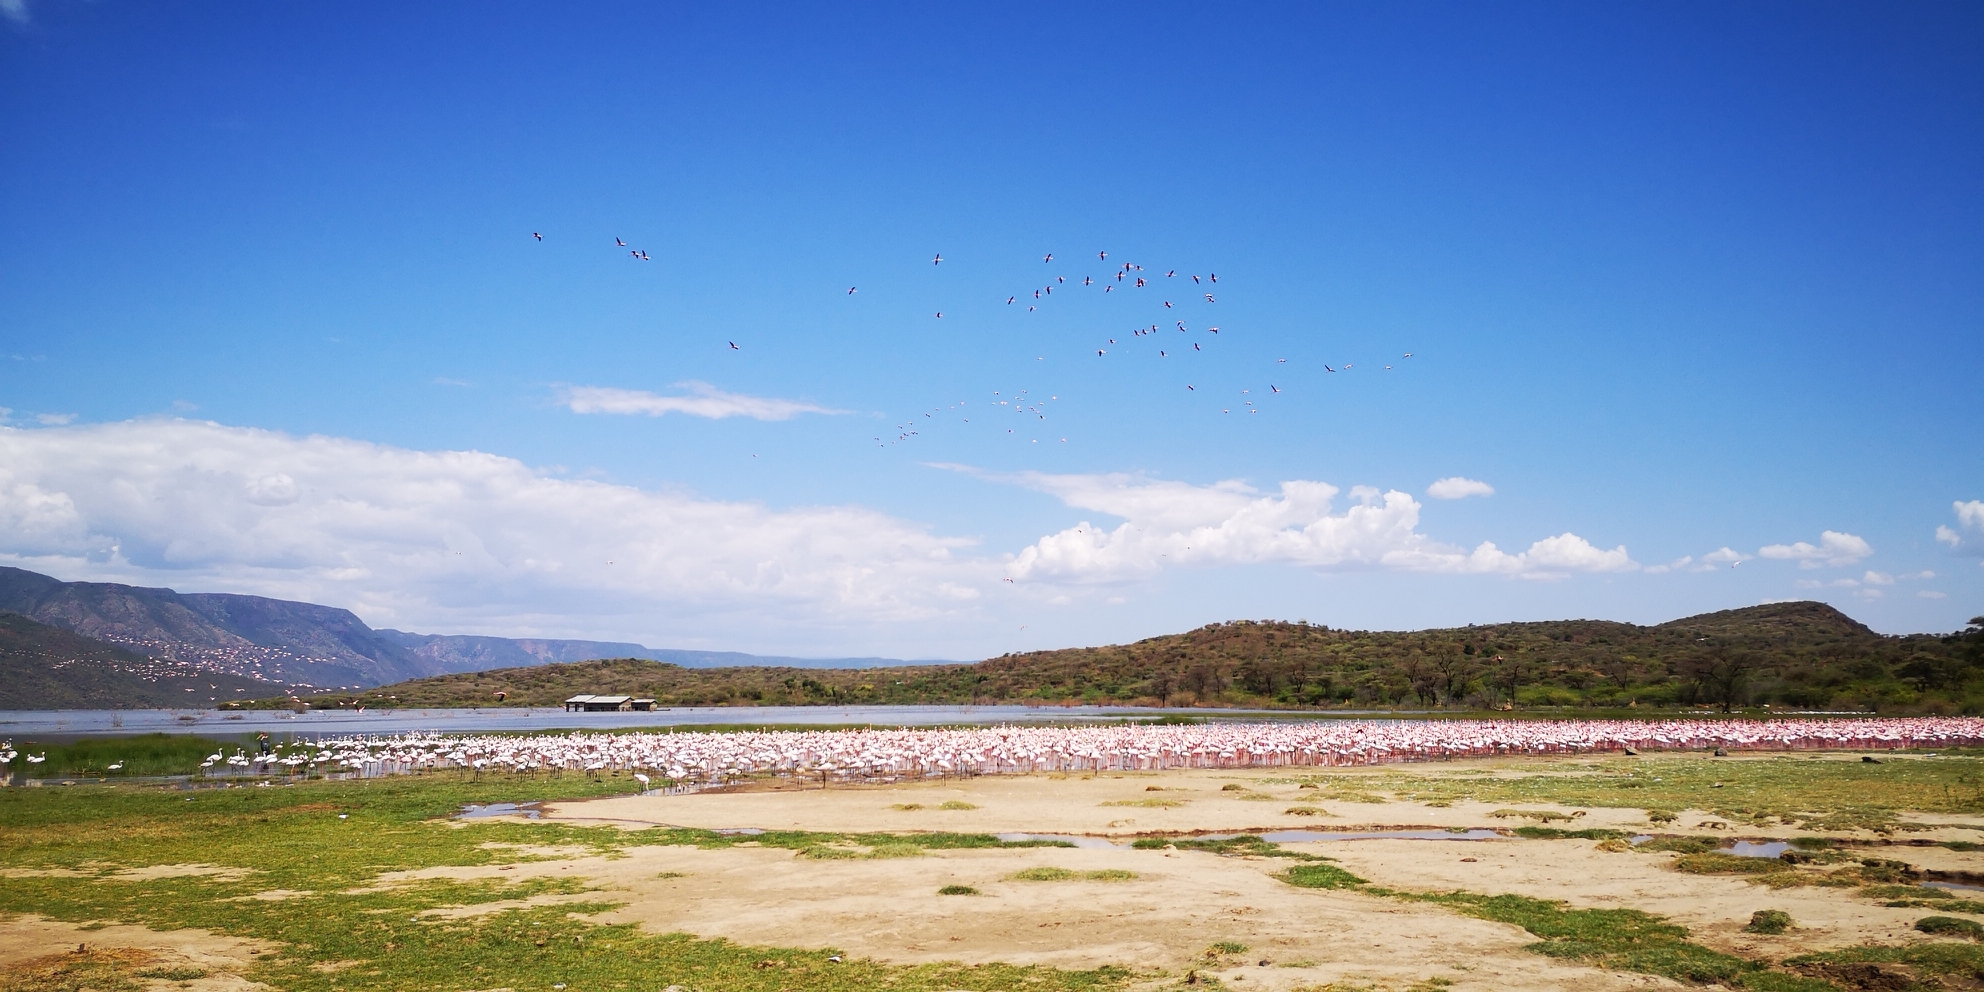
[
  {"x": 1509, "y": 675},
  {"x": 1720, "y": 675}
]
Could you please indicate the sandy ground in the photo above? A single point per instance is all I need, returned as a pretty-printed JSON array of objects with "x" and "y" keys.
[
  {"x": 27, "y": 938},
  {"x": 1181, "y": 902},
  {"x": 1178, "y": 904}
]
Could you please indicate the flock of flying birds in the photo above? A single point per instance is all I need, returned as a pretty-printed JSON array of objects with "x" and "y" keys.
[{"x": 1128, "y": 276}]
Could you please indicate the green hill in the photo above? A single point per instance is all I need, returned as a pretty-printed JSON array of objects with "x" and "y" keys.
[
  {"x": 1802, "y": 655},
  {"x": 48, "y": 668}
]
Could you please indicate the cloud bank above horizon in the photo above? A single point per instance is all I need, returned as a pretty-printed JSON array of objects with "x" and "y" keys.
[{"x": 470, "y": 537}]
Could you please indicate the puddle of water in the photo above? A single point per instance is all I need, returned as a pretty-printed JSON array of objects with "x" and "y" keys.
[
  {"x": 474, "y": 812},
  {"x": 1755, "y": 849},
  {"x": 1954, "y": 887}
]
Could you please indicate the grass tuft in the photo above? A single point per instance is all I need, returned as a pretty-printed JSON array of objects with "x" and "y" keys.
[
  {"x": 1048, "y": 873},
  {"x": 1950, "y": 926},
  {"x": 1319, "y": 876},
  {"x": 1768, "y": 921},
  {"x": 957, "y": 890}
]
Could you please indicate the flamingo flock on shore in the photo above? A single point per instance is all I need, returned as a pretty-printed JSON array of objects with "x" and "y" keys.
[{"x": 862, "y": 755}]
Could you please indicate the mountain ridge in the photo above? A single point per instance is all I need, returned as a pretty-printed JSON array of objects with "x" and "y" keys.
[
  {"x": 1802, "y": 654},
  {"x": 306, "y": 645}
]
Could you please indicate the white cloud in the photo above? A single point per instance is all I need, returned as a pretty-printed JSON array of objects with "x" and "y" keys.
[
  {"x": 1968, "y": 536},
  {"x": 1932, "y": 594},
  {"x": 1456, "y": 487},
  {"x": 1229, "y": 523},
  {"x": 1874, "y": 578},
  {"x": 470, "y": 541},
  {"x": 1672, "y": 566},
  {"x": 1710, "y": 562},
  {"x": 442, "y": 380},
  {"x": 14, "y": 10},
  {"x": 453, "y": 538},
  {"x": 1834, "y": 548},
  {"x": 704, "y": 400},
  {"x": 55, "y": 419}
]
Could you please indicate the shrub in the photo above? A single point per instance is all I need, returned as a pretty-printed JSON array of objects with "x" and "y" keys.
[
  {"x": 956, "y": 804},
  {"x": 957, "y": 890}
]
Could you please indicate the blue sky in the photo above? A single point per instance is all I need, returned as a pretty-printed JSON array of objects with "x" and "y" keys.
[{"x": 1688, "y": 280}]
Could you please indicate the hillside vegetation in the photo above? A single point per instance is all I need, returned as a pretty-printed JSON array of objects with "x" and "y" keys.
[{"x": 1799, "y": 655}]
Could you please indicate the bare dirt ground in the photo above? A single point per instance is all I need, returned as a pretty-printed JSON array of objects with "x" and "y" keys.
[
  {"x": 28, "y": 939},
  {"x": 1182, "y": 902}
]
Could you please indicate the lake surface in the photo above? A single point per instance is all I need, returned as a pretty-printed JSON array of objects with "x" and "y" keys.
[{"x": 52, "y": 724}]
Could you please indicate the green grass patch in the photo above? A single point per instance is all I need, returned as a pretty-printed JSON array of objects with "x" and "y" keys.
[
  {"x": 1768, "y": 921},
  {"x": 1680, "y": 845},
  {"x": 1950, "y": 926},
  {"x": 1619, "y": 939},
  {"x": 141, "y": 754},
  {"x": 1814, "y": 792},
  {"x": 1046, "y": 873},
  {"x": 957, "y": 890},
  {"x": 956, "y": 804},
  {"x": 1932, "y": 959},
  {"x": 1555, "y": 833},
  {"x": 179, "y": 974},
  {"x": 1147, "y": 803},
  {"x": 1319, "y": 876}
]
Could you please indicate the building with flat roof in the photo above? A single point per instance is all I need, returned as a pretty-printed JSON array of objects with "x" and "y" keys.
[{"x": 587, "y": 703}]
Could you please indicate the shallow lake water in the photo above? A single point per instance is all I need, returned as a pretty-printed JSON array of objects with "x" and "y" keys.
[{"x": 57, "y": 724}]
